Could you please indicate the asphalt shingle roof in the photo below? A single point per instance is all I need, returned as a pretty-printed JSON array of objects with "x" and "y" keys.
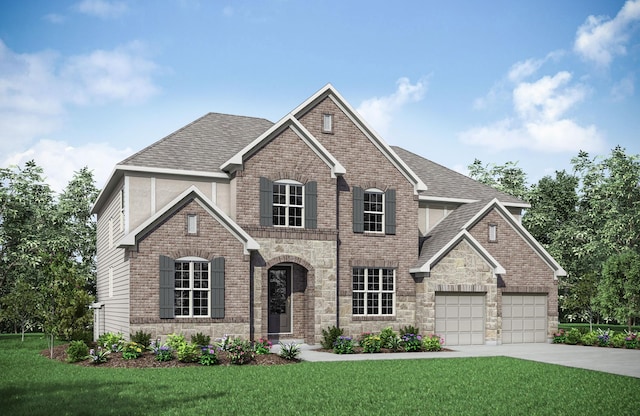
[
  {"x": 443, "y": 182},
  {"x": 440, "y": 235},
  {"x": 203, "y": 145}
]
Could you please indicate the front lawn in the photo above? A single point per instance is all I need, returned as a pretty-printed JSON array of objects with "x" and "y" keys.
[{"x": 33, "y": 385}]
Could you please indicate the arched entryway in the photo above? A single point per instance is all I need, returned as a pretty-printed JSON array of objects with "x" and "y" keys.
[{"x": 289, "y": 309}]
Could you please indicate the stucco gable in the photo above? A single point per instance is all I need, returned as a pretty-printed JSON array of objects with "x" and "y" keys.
[
  {"x": 288, "y": 122},
  {"x": 190, "y": 194}
]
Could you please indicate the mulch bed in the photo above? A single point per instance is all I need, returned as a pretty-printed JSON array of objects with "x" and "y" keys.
[{"x": 147, "y": 360}]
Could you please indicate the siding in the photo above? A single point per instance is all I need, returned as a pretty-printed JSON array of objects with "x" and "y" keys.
[{"x": 116, "y": 307}]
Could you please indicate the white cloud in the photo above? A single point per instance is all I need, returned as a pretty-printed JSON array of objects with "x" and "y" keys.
[
  {"x": 59, "y": 161},
  {"x": 540, "y": 121},
  {"x": 379, "y": 111},
  {"x": 54, "y": 18},
  {"x": 623, "y": 88},
  {"x": 546, "y": 99},
  {"x": 600, "y": 39},
  {"x": 101, "y": 8},
  {"x": 36, "y": 89}
]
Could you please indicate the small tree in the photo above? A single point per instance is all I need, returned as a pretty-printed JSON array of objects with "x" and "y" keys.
[
  {"x": 619, "y": 288},
  {"x": 20, "y": 306}
]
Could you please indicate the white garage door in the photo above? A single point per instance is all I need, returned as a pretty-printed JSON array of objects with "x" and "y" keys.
[
  {"x": 460, "y": 318},
  {"x": 524, "y": 318}
]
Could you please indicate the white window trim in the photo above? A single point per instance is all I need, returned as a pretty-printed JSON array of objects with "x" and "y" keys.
[
  {"x": 375, "y": 191},
  {"x": 287, "y": 205},
  {"x": 379, "y": 292},
  {"x": 327, "y": 119},
  {"x": 192, "y": 260},
  {"x": 493, "y": 233},
  {"x": 192, "y": 224}
]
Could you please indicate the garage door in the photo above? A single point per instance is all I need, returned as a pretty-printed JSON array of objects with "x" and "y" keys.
[
  {"x": 460, "y": 318},
  {"x": 524, "y": 318}
]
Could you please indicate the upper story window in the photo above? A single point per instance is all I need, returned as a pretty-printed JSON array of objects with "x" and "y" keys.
[
  {"x": 327, "y": 123},
  {"x": 122, "y": 210},
  {"x": 288, "y": 204},
  {"x": 374, "y": 211},
  {"x": 493, "y": 233},
  {"x": 192, "y": 288},
  {"x": 192, "y": 224}
]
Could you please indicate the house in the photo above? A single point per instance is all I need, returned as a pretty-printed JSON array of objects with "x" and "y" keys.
[{"x": 236, "y": 225}]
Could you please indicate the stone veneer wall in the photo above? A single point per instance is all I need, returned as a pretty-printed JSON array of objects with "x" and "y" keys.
[
  {"x": 463, "y": 270},
  {"x": 315, "y": 308}
]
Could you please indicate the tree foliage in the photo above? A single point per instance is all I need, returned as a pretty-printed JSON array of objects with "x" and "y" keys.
[
  {"x": 47, "y": 251},
  {"x": 619, "y": 287},
  {"x": 583, "y": 218}
]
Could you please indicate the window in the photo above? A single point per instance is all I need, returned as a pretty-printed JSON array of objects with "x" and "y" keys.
[
  {"x": 493, "y": 233},
  {"x": 373, "y": 291},
  {"x": 192, "y": 224},
  {"x": 373, "y": 211},
  {"x": 288, "y": 204},
  {"x": 192, "y": 291},
  {"x": 327, "y": 123}
]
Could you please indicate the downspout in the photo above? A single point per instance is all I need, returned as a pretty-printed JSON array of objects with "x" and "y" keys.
[
  {"x": 338, "y": 251},
  {"x": 251, "y": 298}
]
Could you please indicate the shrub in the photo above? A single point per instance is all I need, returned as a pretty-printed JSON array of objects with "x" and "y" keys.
[
  {"x": 82, "y": 335},
  {"x": 162, "y": 352},
  {"x": 329, "y": 336},
  {"x": 618, "y": 340},
  {"x": 188, "y": 353},
  {"x": 394, "y": 344},
  {"x": 208, "y": 356},
  {"x": 573, "y": 336},
  {"x": 433, "y": 343},
  {"x": 77, "y": 351},
  {"x": 175, "y": 340},
  {"x": 411, "y": 342},
  {"x": 262, "y": 346},
  {"x": 289, "y": 351},
  {"x": 99, "y": 355},
  {"x": 631, "y": 340},
  {"x": 343, "y": 345},
  {"x": 201, "y": 339},
  {"x": 388, "y": 337},
  {"x": 132, "y": 350},
  {"x": 371, "y": 343},
  {"x": 590, "y": 338},
  {"x": 111, "y": 341},
  {"x": 409, "y": 329},
  {"x": 142, "y": 338},
  {"x": 604, "y": 337},
  {"x": 240, "y": 351},
  {"x": 559, "y": 337}
]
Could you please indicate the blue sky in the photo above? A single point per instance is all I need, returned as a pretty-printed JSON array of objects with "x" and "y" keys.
[{"x": 88, "y": 82}]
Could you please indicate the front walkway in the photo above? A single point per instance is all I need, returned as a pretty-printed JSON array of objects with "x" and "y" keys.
[{"x": 610, "y": 360}]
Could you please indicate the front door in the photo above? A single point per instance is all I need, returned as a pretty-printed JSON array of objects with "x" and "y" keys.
[{"x": 280, "y": 300}]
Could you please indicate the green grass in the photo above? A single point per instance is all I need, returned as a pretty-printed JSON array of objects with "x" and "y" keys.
[{"x": 34, "y": 385}]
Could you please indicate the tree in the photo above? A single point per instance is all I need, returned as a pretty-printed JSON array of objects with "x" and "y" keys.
[
  {"x": 508, "y": 178},
  {"x": 619, "y": 287},
  {"x": 20, "y": 306}
]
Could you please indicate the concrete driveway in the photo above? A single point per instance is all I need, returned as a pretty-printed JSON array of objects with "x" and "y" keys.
[{"x": 610, "y": 360}]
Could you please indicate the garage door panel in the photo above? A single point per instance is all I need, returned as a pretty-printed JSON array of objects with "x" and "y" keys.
[
  {"x": 524, "y": 318},
  {"x": 460, "y": 318}
]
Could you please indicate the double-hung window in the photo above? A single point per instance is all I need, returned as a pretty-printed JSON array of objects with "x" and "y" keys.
[
  {"x": 192, "y": 289},
  {"x": 288, "y": 204},
  {"x": 373, "y": 211},
  {"x": 373, "y": 291}
]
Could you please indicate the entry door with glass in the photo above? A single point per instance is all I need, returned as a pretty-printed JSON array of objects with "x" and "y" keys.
[{"x": 280, "y": 300}]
